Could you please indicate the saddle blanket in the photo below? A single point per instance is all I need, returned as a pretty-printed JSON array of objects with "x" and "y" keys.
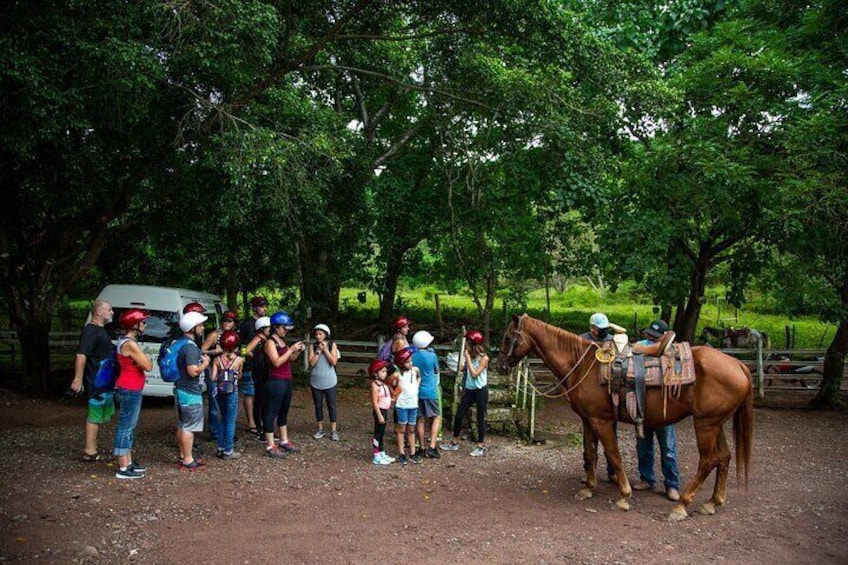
[{"x": 674, "y": 368}]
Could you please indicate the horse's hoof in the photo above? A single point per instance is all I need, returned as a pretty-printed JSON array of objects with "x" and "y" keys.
[
  {"x": 678, "y": 514},
  {"x": 623, "y": 504},
  {"x": 583, "y": 494},
  {"x": 707, "y": 509}
]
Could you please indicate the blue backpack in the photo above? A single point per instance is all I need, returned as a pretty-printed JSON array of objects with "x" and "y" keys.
[
  {"x": 167, "y": 361},
  {"x": 107, "y": 374}
]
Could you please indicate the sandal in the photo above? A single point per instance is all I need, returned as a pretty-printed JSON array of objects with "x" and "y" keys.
[
  {"x": 253, "y": 431},
  {"x": 90, "y": 458}
]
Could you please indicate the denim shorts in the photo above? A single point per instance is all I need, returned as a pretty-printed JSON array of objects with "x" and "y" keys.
[
  {"x": 101, "y": 408},
  {"x": 404, "y": 416},
  {"x": 246, "y": 385}
]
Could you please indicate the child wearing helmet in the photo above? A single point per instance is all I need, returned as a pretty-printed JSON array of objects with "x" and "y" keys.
[
  {"x": 429, "y": 411},
  {"x": 128, "y": 390},
  {"x": 226, "y": 374},
  {"x": 381, "y": 401},
  {"x": 323, "y": 381},
  {"x": 406, "y": 408},
  {"x": 474, "y": 364}
]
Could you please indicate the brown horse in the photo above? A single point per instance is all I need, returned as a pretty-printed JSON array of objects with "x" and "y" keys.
[{"x": 722, "y": 389}]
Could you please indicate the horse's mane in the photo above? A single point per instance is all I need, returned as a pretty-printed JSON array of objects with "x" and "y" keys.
[{"x": 563, "y": 341}]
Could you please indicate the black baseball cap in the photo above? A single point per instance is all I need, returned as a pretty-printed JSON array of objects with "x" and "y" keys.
[{"x": 657, "y": 328}]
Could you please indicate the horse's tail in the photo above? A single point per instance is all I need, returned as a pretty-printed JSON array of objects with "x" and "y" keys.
[{"x": 743, "y": 431}]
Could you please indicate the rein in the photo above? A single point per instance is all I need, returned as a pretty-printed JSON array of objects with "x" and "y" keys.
[{"x": 547, "y": 393}]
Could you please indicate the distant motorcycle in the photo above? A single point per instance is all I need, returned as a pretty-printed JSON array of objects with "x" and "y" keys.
[{"x": 784, "y": 366}]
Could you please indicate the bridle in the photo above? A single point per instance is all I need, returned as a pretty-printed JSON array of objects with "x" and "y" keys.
[
  {"x": 516, "y": 338},
  {"x": 517, "y": 335}
]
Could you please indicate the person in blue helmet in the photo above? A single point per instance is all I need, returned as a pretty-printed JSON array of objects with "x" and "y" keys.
[{"x": 278, "y": 387}]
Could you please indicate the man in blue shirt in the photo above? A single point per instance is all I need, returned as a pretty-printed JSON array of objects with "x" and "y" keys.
[
  {"x": 665, "y": 437},
  {"x": 428, "y": 392}
]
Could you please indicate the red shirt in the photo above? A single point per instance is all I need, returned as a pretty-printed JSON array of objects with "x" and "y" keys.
[{"x": 132, "y": 376}]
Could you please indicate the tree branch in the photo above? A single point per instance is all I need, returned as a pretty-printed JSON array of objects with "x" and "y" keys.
[{"x": 307, "y": 55}]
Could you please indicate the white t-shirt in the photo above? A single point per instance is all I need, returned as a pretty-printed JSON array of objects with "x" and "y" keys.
[{"x": 408, "y": 382}]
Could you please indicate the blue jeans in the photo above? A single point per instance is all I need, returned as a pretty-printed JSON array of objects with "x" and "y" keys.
[
  {"x": 668, "y": 456},
  {"x": 130, "y": 402},
  {"x": 214, "y": 410},
  {"x": 228, "y": 404}
]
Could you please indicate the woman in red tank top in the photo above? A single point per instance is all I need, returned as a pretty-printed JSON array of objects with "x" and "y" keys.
[{"x": 128, "y": 390}]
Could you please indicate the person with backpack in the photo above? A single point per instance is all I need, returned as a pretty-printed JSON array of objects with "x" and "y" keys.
[
  {"x": 323, "y": 381},
  {"x": 129, "y": 385},
  {"x": 212, "y": 409},
  {"x": 278, "y": 387},
  {"x": 391, "y": 347},
  {"x": 188, "y": 391},
  {"x": 251, "y": 391},
  {"x": 226, "y": 373},
  {"x": 474, "y": 368},
  {"x": 254, "y": 354},
  {"x": 95, "y": 346}
]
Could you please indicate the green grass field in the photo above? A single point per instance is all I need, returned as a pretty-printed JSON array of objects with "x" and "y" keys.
[{"x": 571, "y": 310}]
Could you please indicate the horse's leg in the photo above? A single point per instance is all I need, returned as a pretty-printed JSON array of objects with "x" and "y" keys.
[
  {"x": 605, "y": 431},
  {"x": 720, "y": 491},
  {"x": 706, "y": 434},
  {"x": 590, "y": 461}
]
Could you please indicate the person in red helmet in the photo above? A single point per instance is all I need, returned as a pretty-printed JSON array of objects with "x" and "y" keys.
[
  {"x": 128, "y": 390},
  {"x": 226, "y": 372},
  {"x": 251, "y": 389},
  {"x": 406, "y": 409},
  {"x": 475, "y": 390},
  {"x": 381, "y": 401},
  {"x": 399, "y": 341},
  {"x": 212, "y": 343}
]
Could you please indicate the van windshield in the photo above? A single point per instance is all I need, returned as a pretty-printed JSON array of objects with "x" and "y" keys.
[{"x": 160, "y": 326}]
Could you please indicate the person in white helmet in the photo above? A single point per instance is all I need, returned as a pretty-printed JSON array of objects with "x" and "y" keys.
[
  {"x": 428, "y": 392},
  {"x": 323, "y": 380},
  {"x": 255, "y": 353},
  {"x": 188, "y": 391},
  {"x": 599, "y": 332}
]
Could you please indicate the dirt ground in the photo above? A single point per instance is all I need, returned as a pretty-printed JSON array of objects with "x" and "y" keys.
[{"x": 330, "y": 504}]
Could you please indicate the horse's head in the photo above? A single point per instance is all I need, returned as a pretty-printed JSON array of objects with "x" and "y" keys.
[{"x": 516, "y": 345}]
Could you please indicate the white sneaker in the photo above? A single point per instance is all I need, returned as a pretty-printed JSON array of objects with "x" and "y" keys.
[
  {"x": 385, "y": 456},
  {"x": 380, "y": 461},
  {"x": 319, "y": 434},
  {"x": 478, "y": 452}
]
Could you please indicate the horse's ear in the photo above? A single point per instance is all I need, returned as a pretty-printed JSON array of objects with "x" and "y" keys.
[{"x": 515, "y": 319}]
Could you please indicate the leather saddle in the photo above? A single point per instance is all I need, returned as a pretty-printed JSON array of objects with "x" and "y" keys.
[{"x": 657, "y": 348}]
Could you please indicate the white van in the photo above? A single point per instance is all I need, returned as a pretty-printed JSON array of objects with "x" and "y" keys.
[{"x": 165, "y": 306}]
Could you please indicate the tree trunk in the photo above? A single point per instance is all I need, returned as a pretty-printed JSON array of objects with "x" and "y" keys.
[
  {"x": 232, "y": 285},
  {"x": 390, "y": 283},
  {"x": 319, "y": 282},
  {"x": 834, "y": 365},
  {"x": 34, "y": 335},
  {"x": 685, "y": 326}
]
